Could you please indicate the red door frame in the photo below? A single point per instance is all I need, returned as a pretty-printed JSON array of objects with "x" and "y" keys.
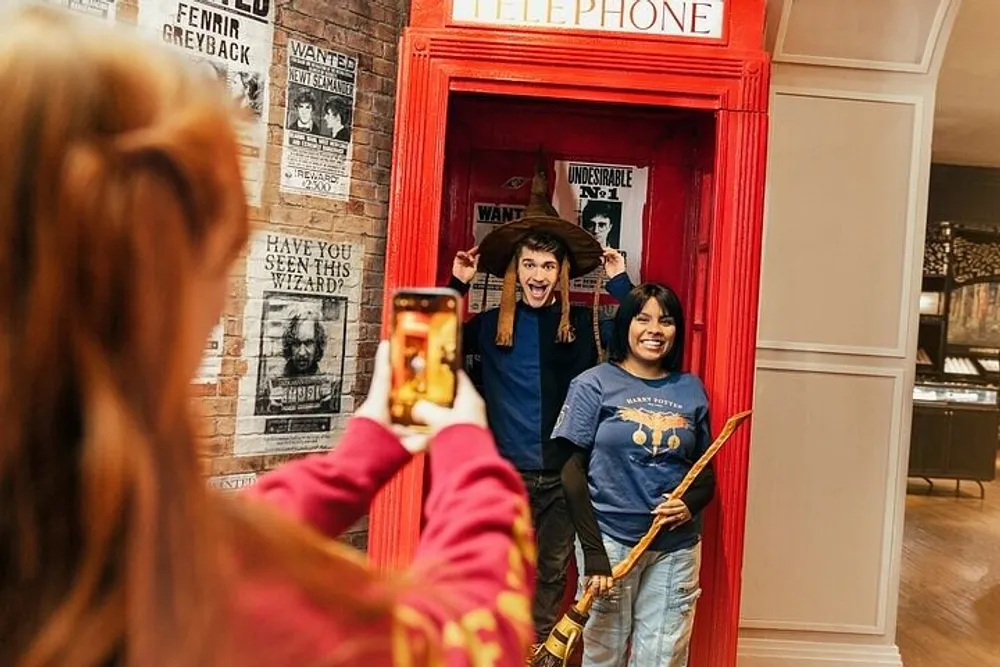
[{"x": 728, "y": 77}]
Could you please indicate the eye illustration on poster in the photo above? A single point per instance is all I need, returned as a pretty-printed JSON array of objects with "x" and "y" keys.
[
  {"x": 317, "y": 149},
  {"x": 301, "y": 323},
  {"x": 231, "y": 42}
]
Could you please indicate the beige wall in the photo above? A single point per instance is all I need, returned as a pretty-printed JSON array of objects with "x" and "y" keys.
[{"x": 849, "y": 158}]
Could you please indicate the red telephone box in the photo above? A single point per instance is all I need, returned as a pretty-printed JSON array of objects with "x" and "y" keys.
[{"x": 675, "y": 89}]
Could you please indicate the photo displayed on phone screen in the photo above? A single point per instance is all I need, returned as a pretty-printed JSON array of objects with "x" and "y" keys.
[{"x": 425, "y": 350}]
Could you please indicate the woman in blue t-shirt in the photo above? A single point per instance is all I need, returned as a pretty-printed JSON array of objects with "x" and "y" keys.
[{"x": 639, "y": 423}]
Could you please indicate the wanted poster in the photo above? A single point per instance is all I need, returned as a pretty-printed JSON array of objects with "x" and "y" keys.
[
  {"x": 301, "y": 322},
  {"x": 102, "y": 10},
  {"x": 484, "y": 293},
  {"x": 211, "y": 361},
  {"x": 319, "y": 106},
  {"x": 98, "y": 9},
  {"x": 609, "y": 201},
  {"x": 230, "y": 42}
]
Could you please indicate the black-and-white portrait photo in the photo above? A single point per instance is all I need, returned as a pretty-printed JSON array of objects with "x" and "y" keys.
[
  {"x": 304, "y": 106},
  {"x": 337, "y": 117},
  {"x": 303, "y": 341},
  {"x": 603, "y": 219}
]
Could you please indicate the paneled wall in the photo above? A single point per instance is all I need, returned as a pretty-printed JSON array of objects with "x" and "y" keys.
[{"x": 852, "y": 107}]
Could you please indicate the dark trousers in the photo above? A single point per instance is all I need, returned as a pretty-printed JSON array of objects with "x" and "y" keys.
[{"x": 554, "y": 535}]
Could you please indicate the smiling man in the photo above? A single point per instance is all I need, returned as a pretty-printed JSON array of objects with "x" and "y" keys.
[{"x": 529, "y": 350}]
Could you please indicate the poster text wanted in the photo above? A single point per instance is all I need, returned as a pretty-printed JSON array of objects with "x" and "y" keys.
[
  {"x": 230, "y": 41},
  {"x": 317, "y": 149}
]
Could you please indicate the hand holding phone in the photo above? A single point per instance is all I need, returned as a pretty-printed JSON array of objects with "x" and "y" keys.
[
  {"x": 425, "y": 351},
  {"x": 469, "y": 409}
]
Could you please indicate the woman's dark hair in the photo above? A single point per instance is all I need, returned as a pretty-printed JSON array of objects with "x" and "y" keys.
[{"x": 631, "y": 306}]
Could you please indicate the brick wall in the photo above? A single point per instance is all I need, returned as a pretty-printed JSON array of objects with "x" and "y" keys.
[{"x": 368, "y": 29}]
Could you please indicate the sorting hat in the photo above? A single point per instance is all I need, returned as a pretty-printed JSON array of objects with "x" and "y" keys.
[{"x": 497, "y": 255}]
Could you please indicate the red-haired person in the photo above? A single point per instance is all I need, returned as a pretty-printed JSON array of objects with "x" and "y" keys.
[{"x": 122, "y": 211}]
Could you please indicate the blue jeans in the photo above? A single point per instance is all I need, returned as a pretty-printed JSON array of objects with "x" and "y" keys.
[{"x": 653, "y": 607}]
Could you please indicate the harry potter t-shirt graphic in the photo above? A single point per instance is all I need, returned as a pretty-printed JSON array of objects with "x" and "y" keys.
[
  {"x": 643, "y": 437},
  {"x": 657, "y": 423}
]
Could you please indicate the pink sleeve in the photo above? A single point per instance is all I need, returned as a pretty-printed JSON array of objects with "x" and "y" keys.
[
  {"x": 467, "y": 597},
  {"x": 474, "y": 574},
  {"x": 332, "y": 491}
]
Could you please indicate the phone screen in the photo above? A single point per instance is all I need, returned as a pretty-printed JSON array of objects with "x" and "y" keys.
[{"x": 426, "y": 350}]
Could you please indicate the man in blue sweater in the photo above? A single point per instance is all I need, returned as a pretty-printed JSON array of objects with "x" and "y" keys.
[{"x": 528, "y": 352}]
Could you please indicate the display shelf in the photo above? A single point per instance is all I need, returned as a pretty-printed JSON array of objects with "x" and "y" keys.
[
  {"x": 960, "y": 366},
  {"x": 954, "y": 393},
  {"x": 955, "y": 399},
  {"x": 954, "y": 434},
  {"x": 989, "y": 365}
]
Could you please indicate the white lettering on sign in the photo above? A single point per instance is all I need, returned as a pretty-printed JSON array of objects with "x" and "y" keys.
[{"x": 686, "y": 18}]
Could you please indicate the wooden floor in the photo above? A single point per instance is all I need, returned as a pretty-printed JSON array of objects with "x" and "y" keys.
[{"x": 949, "y": 613}]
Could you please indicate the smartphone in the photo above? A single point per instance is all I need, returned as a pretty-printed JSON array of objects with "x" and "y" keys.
[{"x": 425, "y": 343}]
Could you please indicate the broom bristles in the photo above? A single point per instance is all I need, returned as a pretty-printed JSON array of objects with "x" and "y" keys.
[
  {"x": 545, "y": 659},
  {"x": 563, "y": 639}
]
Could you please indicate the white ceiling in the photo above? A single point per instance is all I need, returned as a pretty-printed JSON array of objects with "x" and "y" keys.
[{"x": 967, "y": 120}]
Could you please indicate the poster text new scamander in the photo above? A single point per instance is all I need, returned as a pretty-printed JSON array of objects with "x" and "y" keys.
[{"x": 100, "y": 9}]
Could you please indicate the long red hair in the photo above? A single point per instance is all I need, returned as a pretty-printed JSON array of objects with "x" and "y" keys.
[{"x": 119, "y": 180}]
